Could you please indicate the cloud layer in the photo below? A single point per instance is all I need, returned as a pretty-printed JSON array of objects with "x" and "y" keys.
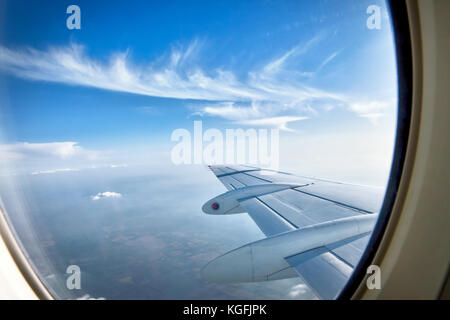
[
  {"x": 55, "y": 150},
  {"x": 47, "y": 158}
]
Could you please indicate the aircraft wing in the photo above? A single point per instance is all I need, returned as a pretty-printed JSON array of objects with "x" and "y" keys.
[{"x": 315, "y": 229}]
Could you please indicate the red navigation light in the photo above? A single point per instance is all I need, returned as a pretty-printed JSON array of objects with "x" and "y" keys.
[{"x": 215, "y": 206}]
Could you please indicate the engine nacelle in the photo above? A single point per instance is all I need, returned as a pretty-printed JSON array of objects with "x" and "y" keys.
[
  {"x": 228, "y": 202},
  {"x": 264, "y": 259}
]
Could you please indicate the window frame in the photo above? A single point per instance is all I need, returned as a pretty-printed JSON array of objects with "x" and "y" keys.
[{"x": 404, "y": 59}]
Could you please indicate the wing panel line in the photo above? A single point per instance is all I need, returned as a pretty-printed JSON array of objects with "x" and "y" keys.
[
  {"x": 275, "y": 211},
  {"x": 334, "y": 201}
]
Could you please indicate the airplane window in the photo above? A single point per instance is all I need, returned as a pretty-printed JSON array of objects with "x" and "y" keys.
[{"x": 196, "y": 150}]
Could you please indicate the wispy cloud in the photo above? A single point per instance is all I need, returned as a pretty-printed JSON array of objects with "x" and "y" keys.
[
  {"x": 53, "y": 171},
  {"x": 278, "y": 64},
  {"x": 328, "y": 60},
  {"x": 273, "y": 90},
  {"x": 252, "y": 115},
  {"x": 71, "y": 65},
  {"x": 230, "y": 111},
  {"x": 159, "y": 78},
  {"x": 50, "y": 171},
  {"x": 276, "y": 122}
]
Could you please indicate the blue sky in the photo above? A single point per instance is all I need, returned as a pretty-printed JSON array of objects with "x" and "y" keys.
[
  {"x": 133, "y": 74},
  {"x": 88, "y": 115}
]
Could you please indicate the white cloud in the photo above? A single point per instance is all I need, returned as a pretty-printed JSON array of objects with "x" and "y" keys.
[
  {"x": 277, "y": 122},
  {"x": 276, "y": 65},
  {"x": 277, "y": 86},
  {"x": 368, "y": 107},
  {"x": 119, "y": 166},
  {"x": 372, "y": 110},
  {"x": 50, "y": 171},
  {"x": 88, "y": 297},
  {"x": 373, "y": 117},
  {"x": 328, "y": 60},
  {"x": 106, "y": 194},
  {"x": 47, "y": 158},
  {"x": 253, "y": 115},
  {"x": 159, "y": 78},
  {"x": 71, "y": 65},
  {"x": 60, "y": 150},
  {"x": 53, "y": 171},
  {"x": 299, "y": 291},
  {"x": 230, "y": 111}
]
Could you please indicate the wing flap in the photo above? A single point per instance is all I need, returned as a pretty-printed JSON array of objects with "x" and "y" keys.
[{"x": 327, "y": 269}]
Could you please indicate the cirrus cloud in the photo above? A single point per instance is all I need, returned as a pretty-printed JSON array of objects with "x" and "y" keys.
[{"x": 275, "y": 89}]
